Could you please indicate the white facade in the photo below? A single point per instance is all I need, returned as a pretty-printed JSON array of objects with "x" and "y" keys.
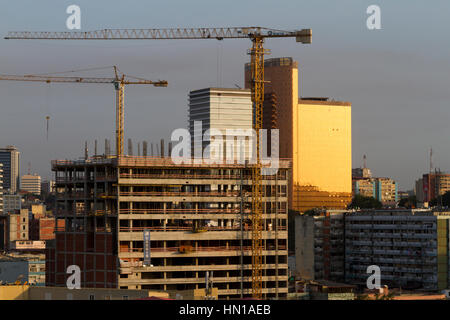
[
  {"x": 31, "y": 183},
  {"x": 226, "y": 110}
]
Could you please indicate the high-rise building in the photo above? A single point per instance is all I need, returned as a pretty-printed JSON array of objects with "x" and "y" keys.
[
  {"x": 315, "y": 133},
  {"x": 9, "y": 157},
  {"x": 147, "y": 223},
  {"x": 31, "y": 183},
  {"x": 434, "y": 184},
  {"x": 222, "y": 109},
  {"x": 322, "y": 164}
]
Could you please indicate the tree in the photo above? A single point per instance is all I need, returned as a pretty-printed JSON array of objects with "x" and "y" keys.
[
  {"x": 443, "y": 200},
  {"x": 363, "y": 202},
  {"x": 409, "y": 203}
]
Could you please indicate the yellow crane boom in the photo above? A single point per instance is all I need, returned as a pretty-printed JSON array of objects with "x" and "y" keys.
[
  {"x": 257, "y": 36},
  {"x": 119, "y": 82}
]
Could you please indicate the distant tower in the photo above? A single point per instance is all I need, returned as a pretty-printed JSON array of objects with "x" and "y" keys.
[
  {"x": 431, "y": 160},
  {"x": 86, "y": 151},
  {"x": 364, "y": 161}
]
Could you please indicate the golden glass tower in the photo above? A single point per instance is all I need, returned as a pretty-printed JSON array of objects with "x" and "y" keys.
[
  {"x": 316, "y": 134},
  {"x": 321, "y": 164}
]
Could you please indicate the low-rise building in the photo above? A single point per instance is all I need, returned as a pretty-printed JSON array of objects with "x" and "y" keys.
[{"x": 36, "y": 266}]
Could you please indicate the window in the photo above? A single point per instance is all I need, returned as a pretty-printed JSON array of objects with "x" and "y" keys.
[
  {"x": 91, "y": 296},
  {"x": 124, "y": 297}
]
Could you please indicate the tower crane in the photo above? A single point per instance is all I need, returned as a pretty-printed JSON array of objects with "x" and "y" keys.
[
  {"x": 119, "y": 82},
  {"x": 257, "y": 36}
]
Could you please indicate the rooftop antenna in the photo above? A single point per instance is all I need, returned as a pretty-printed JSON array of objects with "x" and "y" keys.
[
  {"x": 29, "y": 168},
  {"x": 365, "y": 161}
]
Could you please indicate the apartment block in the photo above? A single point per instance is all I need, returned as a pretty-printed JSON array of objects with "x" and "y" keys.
[
  {"x": 433, "y": 184},
  {"x": 197, "y": 216},
  {"x": 319, "y": 246},
  {"x": 384, "y": 190},
  {"x": 409, "y": 246}
]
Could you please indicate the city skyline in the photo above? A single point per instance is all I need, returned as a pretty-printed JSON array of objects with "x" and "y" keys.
[{"x": 394, "y": 77}]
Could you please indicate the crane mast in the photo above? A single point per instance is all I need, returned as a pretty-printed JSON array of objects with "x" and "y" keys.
[{"x": 257, "y": 36}]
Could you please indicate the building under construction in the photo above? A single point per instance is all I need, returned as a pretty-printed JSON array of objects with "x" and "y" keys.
[{"x": 197, "y": 216}]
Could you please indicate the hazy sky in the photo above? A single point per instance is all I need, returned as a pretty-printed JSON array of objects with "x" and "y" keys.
[{"x": 397, "y": 78}]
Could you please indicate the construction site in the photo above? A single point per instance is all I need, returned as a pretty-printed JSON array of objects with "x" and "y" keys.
[
  {"x": 149, "y": 223},
  {"x": 198, "y": 217}
]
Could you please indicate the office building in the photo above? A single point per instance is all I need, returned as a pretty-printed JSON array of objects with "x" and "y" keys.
[
  {"x": 314, "y": 132},
  {"x": 9, "y": 157},
  {"x": 222, "y": 109},
  {"x": 31, "y": 183},
  {"x": 198, "y": 217}
]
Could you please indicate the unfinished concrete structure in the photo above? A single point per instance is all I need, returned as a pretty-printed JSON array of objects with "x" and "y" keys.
[
  {"x": 319, "y": 246},
  {"x": 198, "y": 215}
]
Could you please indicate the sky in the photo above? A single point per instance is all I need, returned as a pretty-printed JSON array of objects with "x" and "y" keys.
[{"x": 397, "y": 78}]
